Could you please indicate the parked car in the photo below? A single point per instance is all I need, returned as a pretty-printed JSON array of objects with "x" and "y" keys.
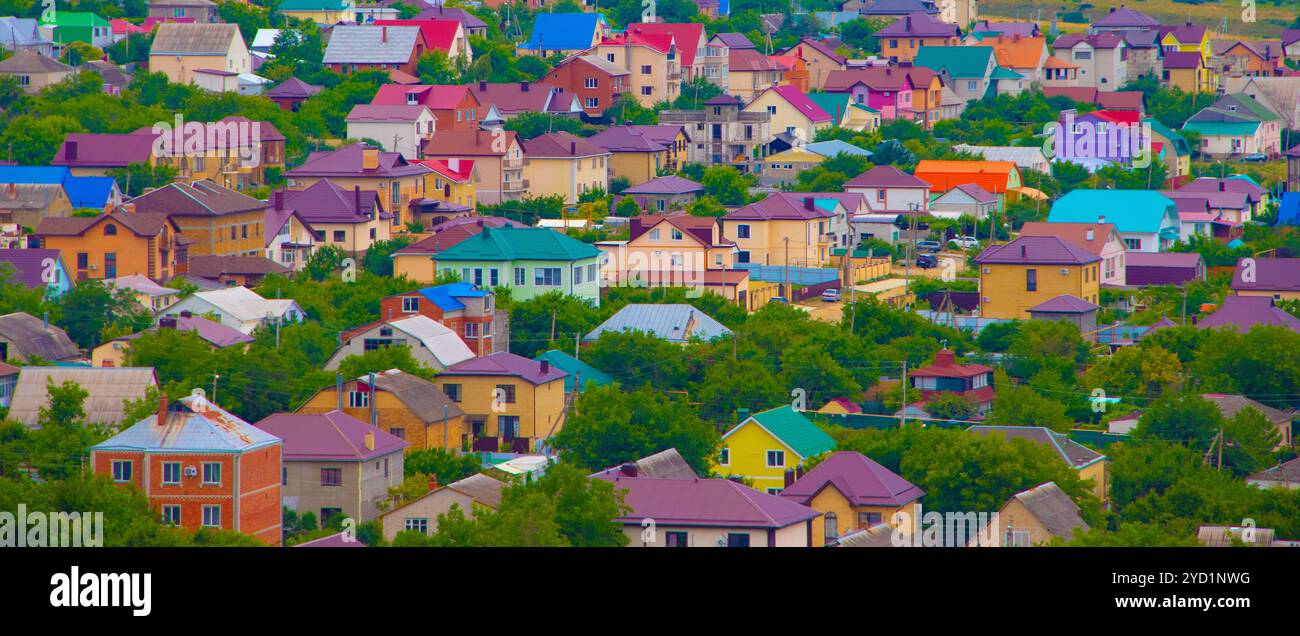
[
  {"x": 1256, "y": 156},
  {"x": 929, "y": 246},
  {"x": 926, "y": 261},
  {"x": 964, "y": 242},
  {"x": 831, "y": 295}
]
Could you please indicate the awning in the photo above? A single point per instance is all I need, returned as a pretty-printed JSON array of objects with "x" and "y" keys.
[{"x": 1032, "y": 193}]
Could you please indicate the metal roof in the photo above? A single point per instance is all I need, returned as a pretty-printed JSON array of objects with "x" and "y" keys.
[{"x": 674, "y": 323}]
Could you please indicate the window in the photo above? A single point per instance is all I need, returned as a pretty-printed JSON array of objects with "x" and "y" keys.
[
  {"x": 609, "y": 57},
  {"x": 506, "y": 393},
  {"x": 358, "y": 399},
  {"x": 121, "y": 470},
  {"x": 647, "y": 90},
  {"x": 676, "y": 234},
  {"x": 737, "y": 540},
  {"x": 832, "y": 527},
  {"x": 418, "y": 524},
  {"x": 577, "y": 275},
  {"x": 331, "y": 476},
  {"x": 471, "y": 330},
  {"x": 546, "y": 276},
  {"x": 1031, "y": 280},
  {"x": 724, "y": 457},
  {"x": 110, "y": 229},
  {"x": 591, "y": 102},
  {"x": 171, "y": 515},
  {"x": 776, "y": 459},
  {"x": 869, "y": 519},
  {"x": 399, "y": 433},
  {"x": 211, "y": 473},
  {"x": 452, "y": 391},
  {"x": 675, "y": 539},
  {"x": 171, "y": 473},
  {"x": 771, "y": 110},
  {"x": 591, "y": 272},
  {"x": 645, "y": 69},
  {"x": 508, "y": 425},
  {"x": 654, "y": 234},
  {"x": 1133, "y": 244},
  {"x": 211, "y": 516},
  {"x": 590, "y": 82},
  {"x": 410, "y": 304},
  {"x": 520, "y": 277},
  {"x": 742, "y": 231}
]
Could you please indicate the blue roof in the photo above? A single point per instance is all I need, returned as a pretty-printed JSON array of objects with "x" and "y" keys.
[
  {"x": 34, "y": 174},
  {"x": 444, "y": 296},
  {"x": 1140, "y": 211},
  {"x": 563, "y": 31},
  {"x": 575, "y": 369},
  {"x": 674, "y": 323},
  {"x": 835, "y": 147},
  {"x": 89, "y": 192},
  {"x": 192, "y": 424},
  {"x": 1289, "y": 212}
]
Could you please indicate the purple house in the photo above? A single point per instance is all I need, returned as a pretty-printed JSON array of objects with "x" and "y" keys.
[
  {"x": 664, "y": 193},
  {"x": 1243, "y": 312},
  {"x": 1162, "y": 268},
  {"x": 36, "y": 268},
  {"x": 1115, "y": 136},
  {"x": 872, "y": 491}
]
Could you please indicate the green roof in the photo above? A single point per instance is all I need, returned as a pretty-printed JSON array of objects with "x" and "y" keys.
[
  {"x": 1180, "y": 142},
  {"x": 1222, "y": 127},
  {"x": 1004, "y": 73},
  {"x": 518, "y": 244},
  {"x": 575, "y": 368},
  {"x": 312, "y": 5},
  {"x": 78, "y": 18},
  {"x": 794, "y": 430},
  {"x": 832, "y": 103},
  {"x": 962, "y": 62}
]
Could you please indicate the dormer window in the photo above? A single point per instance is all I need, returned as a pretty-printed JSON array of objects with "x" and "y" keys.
[{"x": 412, "y": 99}]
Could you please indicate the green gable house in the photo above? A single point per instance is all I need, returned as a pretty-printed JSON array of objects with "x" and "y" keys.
[
  {"x": 1237, "y": 126},
  {"x": 971, "y": 71},
  {"x": 577, "y": 370},
  {"x": 530, "y": 261},
  {"x": 80, "y": 26}
]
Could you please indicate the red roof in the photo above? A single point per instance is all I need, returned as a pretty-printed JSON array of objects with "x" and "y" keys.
[
  {"x": 1116, "y": 116},
  {"x": 438, "y": 34},
  {"x": 945, "y": 366},
  {"x": 436, "y": 97},
  {"x": 464, "y": 168},
  {"x": 688, "y": 36},
  {"x": 661, "y": 42}
]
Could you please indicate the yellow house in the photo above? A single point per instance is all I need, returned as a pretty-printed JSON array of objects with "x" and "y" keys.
[
  {"x": 401, "y": 404},
  {"x": 510, "y": 402},
  {"x": 560, "y": 163},
  {"x": 638, "y": 153},
  {"x": 1037, "y": 516},
  {"x": 796, "y": 228},
  {"x": 322, "y": 12},
  {"x": 1088, "y": 463},
  {"x": 180, "y": 49},
  {"x": 791, "y": 111},
  {"x": 1032, "y": 270},
  {"x": 820, "y": 59},
  {"x": 839, "y": 406},
  {"x": 765, "y": 445},
  {"x": 751, "y": 73},
  {"x": 853, "y": 493},
  {"x": 359, "y": 165},
  {"x": 652, "y": 61}
]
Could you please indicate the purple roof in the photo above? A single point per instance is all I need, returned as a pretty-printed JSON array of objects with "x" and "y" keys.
[
  {"x": 1126, "y": 17},
  {"x": 1196, "y": 201},
  {"x": 859, "y": 478},
  {"x": 1096, "y": 41},
  {"x": 806, "y": 106},
  {"x": 28, "y": 265},
  {"x": 626, "y": 139},
  {"x": 723, "y": 99},
  {"x": 1270, "y": 274},
  {"x": 975, "y": 191},
  {"x": 919, "y": 25},
  {"x": 1252, "y": 191},
  {"x": 333, "y": 436},
  {"x": 886, "y": 177},
  {"x": 735, "y": 40},
  {"x": 94, "y": 149},
  {"x": 705, "y": 502},
  {"x": 324, "y": 202},
  {"x": 347, "y": 162},
  {"x": 1244, "y": 312},
  {"x": 1037, "y": 250},
  {"x": 1166, "y": 268},
  {"x": 1163, "y": 259},
  {"x": 1064, "y": 304},
  {"x": 1185, "y": 33},
  {"x": 1182, "y": 59},
  {"x": 671, "y": 184},
  {"x": 217, "y": 334},
  {"x": 293, "y": 88},
  {"x": 784, "y": 205},
  {"x": 1023, "y": 29},
  {"x": 340, "y": 540},
  {"x": 505, "y": 363}
]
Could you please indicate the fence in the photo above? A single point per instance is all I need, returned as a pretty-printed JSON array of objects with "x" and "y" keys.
[{"x": 797, "y": 275}]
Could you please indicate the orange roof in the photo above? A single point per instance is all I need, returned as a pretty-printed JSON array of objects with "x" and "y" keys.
[
  {"x": 1056, "y": 62},
  {"x": 790, "y": 62},
  {"x": 994, "y": 176},
  {"x": 1017, "y": 52}
]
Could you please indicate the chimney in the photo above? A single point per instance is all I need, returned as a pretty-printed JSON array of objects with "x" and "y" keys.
[
  {"x": 889, "y": 71},
  {"x": 1223, "y": 186},
  {"x": 185, "y": 313},
  {"x": 433, "y": 483},
  {"x": 1101, "y": 219},
  {"x": 789, "y": 477},
  {"x": 1112, "y": 9},
  {"x": 573, "y": 147},
  {"x": 546, "y": 367},
  {"x": 167, "y": 322},
  {"x": 907, "y": 22},
  {"x": 523, "y": 86},
  {"x": 70, "y": 151},
  {"x": 383, "y": 34},
  {"x": 742, "y": 415},
  {"x": 482, "y": 86},
  {"x": 1090, "y": 234},
  {"x": 1024, "y": 252},
  {"x": 370, "y": 440},
  {"x": 356, "y": 198},
  {"x": 628, "y": 470},
  {"x": 370, "y": 158},
  {"x": 162, "y": 409},
  {"x": 799, "y": 471},
  {"x": 944, "y": 358},
  {"x": 277, "y": 200},
  {"x": 807, "y": 203}
]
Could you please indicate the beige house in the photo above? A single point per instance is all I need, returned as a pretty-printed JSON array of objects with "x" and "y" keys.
[
  {"x": 651, "y": 60},
  {"x": 791, "y": 112},
  {"x": 1099, "y": 60},
  {"x": 398, "y": 128},
  {"x": 34, "y": 71},
  {"x": 421, "y": 515},
  {"x": 1037, "y": 516},
  {"x": 560, "y": 163},
  {"x": 336, "y": 464},
  {"x": 181, "y": 49}
]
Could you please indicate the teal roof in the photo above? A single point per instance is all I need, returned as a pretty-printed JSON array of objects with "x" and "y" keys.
[
  {"x": 518, "y": 244},
  {"x": 1234, "y": 128},
  {"x": 1180, "y": 142},
  {"x": 1135, "y": 211},
  {"x": 1004, "y": 73},
  {"x": 962, "y": 62},
  {"x": 794, "y": 430},
  {"x": 78, "y": 18},
  {"x": 312, "y": 5},
  {"x": 575, "y": 368}
]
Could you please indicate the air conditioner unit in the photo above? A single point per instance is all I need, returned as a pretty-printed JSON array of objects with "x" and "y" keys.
[
  {"x": 987, "y": 270},
  {"x": 191, "y": 471},
  {"x": 986, "y": 299},
  {"x": 1065, "y": 271}
]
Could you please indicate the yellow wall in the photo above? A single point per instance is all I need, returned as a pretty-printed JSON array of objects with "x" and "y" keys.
[
  {"x": 391, "y": 413},
  {"x": 567, "y": 177},
  {"x": 417, "y": 267},
  {"x": 212, "y": 235},
  {"x": 748, "y": 445},
  {"x": 660, "y": 79},
  {"x": 1098, "y": 474},
  {"x": 766, "y": 244},
  {"x": 324, "y": 18},
  {"x": 1004, "y": 287},
  {"x": 637, "y": 166},
  {"x": 786, "y": 116},
  {"x": 831, "y": 500},
  {"x": 540, "y": 408},
  {"x": 409, "y": 187}
]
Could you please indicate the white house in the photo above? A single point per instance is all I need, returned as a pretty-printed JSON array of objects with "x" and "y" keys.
[
  {"x": 238, "y": 308},
  {"x": 398, "y": 127},
  {"x": 432, "y": 343}
]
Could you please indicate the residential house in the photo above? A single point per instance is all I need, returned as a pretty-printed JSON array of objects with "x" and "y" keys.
[
  {"x": 791, "y": 111},
  {"x": 652, "y": 61},
  {"x": 469, "y": 495},
  {"x": 676, "y": 323},
  {"x": 1099, "y": 60},
  {"x": 564, "y": 33},
  {"x": 852, "y": 492},
  {"x": 1190, "y": 38},
  {"x": 763, "y": 445},
  {"x": 594, "y": 81},
  {"x": 1146, "y": 220},
  {"x": 690, "y": 39},
  {"x": 79, "y": 26},
  {"x": 512, "y": 98},
  {"x": 888, "y": 189},
  {"x": 180, "y": 50},
  {"x": 37, "y": 268},
  {"x": 448, "y": 36},
  {"x": 511, "y": 403},
  {"x": 367, "y": 47},
  {"x": 326, "y": 13},
  {"x": 1241, "y": 313},
  {"x": 1163, "y": 268},
  {"x": 468, "y": 311},
  {"x": 972, "y": 72},
  {"x": 1146, "y": 56},
  {"x": 1242, "y": 58},
  {"x": 905, "y": 92},
  {"x": 1237, "y": 126},
  {"x": 633, "y": 154},
  {"x": 693, "y": 512},
  {"x": 1025, "y": 157},
  {"x": 34, "y": 71},
  {"x": 25, "y": 205},
  {"x": 846, "y": 113},
  {"x": 498, "y": 161},
  {"x": 820, "y": 59},
  {"x": 117, "y": 351},
  {"x": 1037, "y": 517},
  {"x": 24, "y": 34},
  {"x": 239, "y": 308},
  {"x": 1187, "y": 71},
  {"x": 349, "y": 220},
  {"x": 1102, "y": 239},
  {"x": 972, "y": 382},
  {"x": 1021, "y": 55},
  {"x": 1177, "y": 154},
  {"x": 418, "y": 260},
  {"x": 107, "y": 390},
  {"x": 1256, "y": 196},
  {"x": 114, "y": 77},
  {"x": 1123, "y": 19},
  {"x": 229, "y": 271},
  {"x": 561, "y": 164},
  {"x": 784, "y": 167},
  {"x": 1280, "y": 95},
  {"x": 791, "y": 228},
  {"x": 1284, "y": 475},
  {"x": 529, "y": 261},
  {"x": 1031, "y": 269},
  {"x": 901, "y": 40},
  {"x": 1278, "y": 278},
  {"x": 968, "y": 199},
  {"x": 580, "y": 374},
  {"x": 1023, "y": 29},
  {"x": 452, "y": 193},
  {"x": 1002, "y": 178},
  {"x": 889, "y": 9},
  {"x": 398, "y": 181},
  {"x": 405, "y": 406},
  {"x": 397, "y": 128},
  {"x": 26, "y": 338},
  {"x": 717, "y": 54},
  {"x": 336, "y": 464},
  {"x": 200, "y": 467},
  {"x": 722, "y": 133},
  {"x": 662, "y": 194},
  {"x": 201, "y": 11},
  {"x": 1071, "y": 309},
  {"x": 471, "y": 23},
  {"x": 677, "y": 250},
  {"x": 1291, "y": 43},
  {"x": 116, "y": 244},
  {"x": 291, "y": 93},
  {"x": 215, "y": 220},
  {"x": 750, "y": 73},
  {"x": 1088, "y": 463},
  {"x": 1231, "y": 405},
  {"x": 430, "y": 342}
]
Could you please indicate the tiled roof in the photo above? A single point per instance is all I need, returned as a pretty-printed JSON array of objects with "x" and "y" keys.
[
  {"x": 333, "y": 436},
  {"x": 671, "y": 184},
  {"x": 1130, "y": 210},
  {"x": 671, "y": 322},
  {"x": 468, "y": 143},
  {"x": 1076, "y": 233},
  {"x": 1126, "y": 17},
  {"x": 734, "y": 40},
  {"x": 28, "y": 62},
  {"x": 1036, "y": 250},
  {"x": 386, "y": 113},
  {"x": 577, "y": 370},
  {"x": 1097, "y": 41},
  {"x": 325, "y": 202},
  {"x": 520, "y": 97},
  {"x": 217, "y": 266},
  {"x": 29, "y": 265},
  {"x": 886, "y": 177},
  {"x": 705, "y": 502},
  {"x": 447, "y": 235},
  {"x": 519, "y": 243},
  {"x": 1183, "y": 60},
  {"x": 961, "y": 62},
  {"x": 423, "y": 398},
  {"x": 469, "y": 20},
  {"x": 687, "y": 34},
  {"x": 945, "y": 366},
  {"x": 371, "y": 44},
  {"x": 750, "y": 60},
  {"x": 1243, "y": 312},
  {"x": 788, "y": 205},
  {"x": 347, "y": 162},
  {"x": 820, "y": 47},
  {"x": 504, "y": 363},
  {"x": 141, "y": 223},
  {"x": 859, "y": 478},
  {"x": 438, "y": 34},
  {"x": 919, "y": 25},
  {"x": 214, "y": 333},
  {"x": 561, "y": 144},
  {"x": 624, "y": 139},
  {"x": 1054, "y": 509},
  {"x": 1268, "y": 274},
  {"x": 804, "y": 106},
  {"x": 104, "y": 150}
]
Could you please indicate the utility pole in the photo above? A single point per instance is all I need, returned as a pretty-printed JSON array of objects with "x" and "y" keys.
[
  {"x": 902, "y": 419},
  {"x": 577, "y": 339},
  {"x": 1219, "y": 463},
  {"x": 789, "y": 294},
  {"x": 215, "y": 377},
  {"x": 444, "y": 428},
  {"x": 374, "y": 416}
]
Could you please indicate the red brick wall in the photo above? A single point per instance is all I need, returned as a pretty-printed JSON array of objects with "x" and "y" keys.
[
  {"x": 102, "y": 464},
  {"x": 259, "y": 487}
]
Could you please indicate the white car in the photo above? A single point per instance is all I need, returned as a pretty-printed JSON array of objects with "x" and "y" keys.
[{"x": 964, "y": 242}]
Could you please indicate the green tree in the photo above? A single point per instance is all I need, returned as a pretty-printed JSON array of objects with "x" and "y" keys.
[
  {"x": 610, "y": 426},
  {"x": 383, "y": 359},
  {"x": 445, "y": 465}
]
